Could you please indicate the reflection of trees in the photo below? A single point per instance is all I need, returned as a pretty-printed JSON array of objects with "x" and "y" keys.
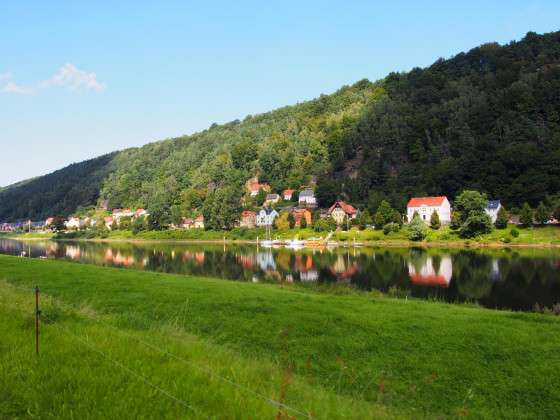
[{"x": 472, "y": 272}]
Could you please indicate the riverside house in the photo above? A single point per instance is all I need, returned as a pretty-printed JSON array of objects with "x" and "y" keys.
[
  {"x": 271, "y": 199},
  {"x": 341, "y": 211},
  {"x": 199, "y": 222},
  {"x": 266, "y": 216},
  {"x": 300, "y": 214},
  {"x": 425, "y": 206},
  {"x": 288, "y": 194},
  {"x": 253, "y": 186},
  {"x": 307, "y": 198},
  {"x": 248, "y": 219},
  {"x": 492, "y": 209}
]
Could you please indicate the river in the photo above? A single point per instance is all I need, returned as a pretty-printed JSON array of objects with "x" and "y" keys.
[{"x": 499, "y": 278}]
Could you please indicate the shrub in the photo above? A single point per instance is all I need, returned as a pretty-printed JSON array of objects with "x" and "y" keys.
[
  {"x": 435, "y": 224},
  {"x": 455, "y": 220},
  {"x": 476, "y": 224},
  {"x": 501, "y": 219},
  {"x": 417, "y": 229},
  {"x": 542, "y": 214},
  {"x": 391, "y": 227},
  {"x": 514, "y": 232},
  {"x": 324, "y": 225}
]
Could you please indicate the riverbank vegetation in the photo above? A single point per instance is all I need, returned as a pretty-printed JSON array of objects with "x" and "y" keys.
[{"x": 346, "y": 355}]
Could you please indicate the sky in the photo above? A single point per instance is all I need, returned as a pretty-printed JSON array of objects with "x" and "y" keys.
[{"x": 80, "y": 79}]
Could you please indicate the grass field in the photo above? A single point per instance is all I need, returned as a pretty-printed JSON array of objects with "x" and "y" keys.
[{"x": 331, "y": 356}]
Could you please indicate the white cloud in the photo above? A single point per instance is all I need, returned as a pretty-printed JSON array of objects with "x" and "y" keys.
[
  {"x": 6, "y": 76},
  {"x": 69, "y": 76},
  {"x": 12, "y": 87}
]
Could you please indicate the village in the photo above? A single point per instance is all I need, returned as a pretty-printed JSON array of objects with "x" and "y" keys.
[{"x": 289, "y": 209}]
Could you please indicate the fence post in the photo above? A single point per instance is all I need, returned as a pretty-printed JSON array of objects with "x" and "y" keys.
[{"x": 37, "y": 314}]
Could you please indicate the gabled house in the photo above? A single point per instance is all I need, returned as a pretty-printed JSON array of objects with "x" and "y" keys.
[
  {"x": 266, "y": 216},
  {"x": 307, "y": 198},
  {"x": 199, "y": 222},
  {"x": 73, "y": 223},
  {"x": 271, "y": 199},
  {"x": 288, "y": 194},
  {"x": 425, "y": 206},
  {"x": 341, "y": 211},
  {"x": 248, "y": 219},
  {"x": 492, "y": 209},
  {"x": 253, "y": 186},
  {"x": 300, "y": 214}
]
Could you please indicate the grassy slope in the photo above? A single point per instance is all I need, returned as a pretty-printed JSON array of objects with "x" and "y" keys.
[{"x": 428, "y": 358}]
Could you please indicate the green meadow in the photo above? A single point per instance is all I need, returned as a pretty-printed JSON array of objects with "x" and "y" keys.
[{"x": 131, "y": 344}]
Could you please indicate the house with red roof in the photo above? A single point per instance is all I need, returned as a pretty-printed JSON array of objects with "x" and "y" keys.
[
  {"x": 341, "y": 211},
  {"x": 248, "y": 219},
  {"x": 288, "y": 194},
  {"x": 425, "y": 206},
  {"x": 199, "y": 222},
  {"x": 253, "y": 186}
]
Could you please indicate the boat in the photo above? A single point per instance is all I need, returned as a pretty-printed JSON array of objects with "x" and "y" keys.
[
  {"x": 267, "y": 243},
  {"x": 295, "y": 243}
]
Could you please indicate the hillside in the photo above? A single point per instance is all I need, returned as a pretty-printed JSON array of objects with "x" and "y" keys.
[{"x": 486, "y": 119}]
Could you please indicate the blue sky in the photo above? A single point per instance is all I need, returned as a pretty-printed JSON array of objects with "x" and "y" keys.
[{"x": 79, "y": 79}]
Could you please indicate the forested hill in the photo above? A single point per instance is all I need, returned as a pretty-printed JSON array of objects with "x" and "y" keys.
[{"x": 488, "y": 119}]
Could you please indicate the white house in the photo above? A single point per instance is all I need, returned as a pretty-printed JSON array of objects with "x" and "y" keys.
[
  {"x": 266, "y": 216},
  {"x": 307, "y": 198},
  {"x": 425, "y": 206},
  {"x": 492, "y": 209},
  {"x": 73, "y": 223}
]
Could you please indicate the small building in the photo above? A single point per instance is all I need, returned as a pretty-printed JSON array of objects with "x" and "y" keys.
[
  {"x": 49, "y": 222},
  {"x": 73, "y": 223},
  {"x": 266, "y": 216},
  {"x": 186, "y": 223},
  {"x": 492, "y": 209},
  {"x": 425, "y": 206},
  {"x": 341, "y": 211},
  {"x": 248, "y": 219},
  {"x": 307, "y": 198},
  {"x": 199, "y": 222},
  {"x": 140, "y": 213},
  {"x": 272, "y": 199},
  {"x": 109, "y": 220},
  {"x": 288, "y": 194},
  {"x": 300, "y": 214},
  {"x": 253, "y": 186}
]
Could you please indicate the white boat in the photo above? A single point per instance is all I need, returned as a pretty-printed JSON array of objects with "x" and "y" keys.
[
  {"x": 267, "y": 243},
  {"x": 295, "y": 243}
]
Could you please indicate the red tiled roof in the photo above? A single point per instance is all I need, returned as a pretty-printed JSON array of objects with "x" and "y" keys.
[
  {"x": 288, "y": 191},
  {"x": 199, "y": 218},
  {"x": 248, "y": 213},
  {"x": 426, "y": 201},
  {"x": 347, "y": 208}
]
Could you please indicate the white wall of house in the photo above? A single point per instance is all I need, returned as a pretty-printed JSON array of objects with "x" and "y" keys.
[
  {"x": 425, "y": 212},
  {"x": 493, "y": 213},
  {"x": 266, "y": 219}
]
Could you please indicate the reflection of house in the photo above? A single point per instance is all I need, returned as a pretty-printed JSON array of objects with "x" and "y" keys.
[
  {"x": 248, "y": 219},
  {"x": 288, "y": 194},
  {"x": 254, "y": 187},
  {"x": 266, "y": 216},
  {"x": 341, "y": 211},
  {"x": 272, "y": 199},
  {"x": 428, "y": 275},
  {"x": 265, "y": 260},
  {"x": 425, "y": 206},
  {"x": 492, "y": 209},
  {"x": 307, "y": 198},
  {"x": 312, "y": 275},
  {"x": 302, "y": 214}
]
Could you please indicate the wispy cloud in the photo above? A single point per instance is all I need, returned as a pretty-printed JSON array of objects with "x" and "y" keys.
[
  {"x": 67, "y": 77},
  {"x": 12, "y": 87},
  {"x": 70, "y": 77}
]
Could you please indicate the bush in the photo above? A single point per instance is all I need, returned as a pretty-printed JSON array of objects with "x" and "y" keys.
[
  {"x": 514, "y": 232},
  {"x": 455, "y": 221},
  {"x": 391, "y": 227},
  {"x": 435, "y": 224},
  {"x": 542, "y": 214},
  {"x": 417, "y": 230},
  {"x": 324, "y": 225},
  {"x": 501, "y": 219},
  {"x": 526, "y": 215},
  {"x": 476, "y": 224}
]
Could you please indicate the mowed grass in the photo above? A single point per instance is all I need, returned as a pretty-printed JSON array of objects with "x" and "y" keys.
[{"x": 377, "y": 356}]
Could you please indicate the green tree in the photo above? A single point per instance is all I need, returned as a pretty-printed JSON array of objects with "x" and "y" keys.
[
  {"x": 125, "y": 223},
  {"x": 470, "y": 202},
  {"x": 303, "y": 223},
  {"x": 282, "y": 221},
  {"x": 325, "y": 225},
  {"x": 221, "y": 208},
  {"x": 291, "y": 220},
  {"x": 477, "y": 223},
  {"x": 417, "y": 229},
  {"x": 556, "y": 213},
  {"x": 526, "y": 215},
  {"x": 138, "y": 225},
  {"x": 378, "y": 221},
  {"x": 365, "y": 218},
  {"x": 397, "y": 218},
  {"x": 384, "y": 214},
  {"x": 542, "y": 214},
  {"x": 455, "y": 220},
  {"x": 502, "y": 219},
  {"x": 434, "y": 221},
  {"x": 326, "y": 192},
  {"x": 260, "y": 197}
]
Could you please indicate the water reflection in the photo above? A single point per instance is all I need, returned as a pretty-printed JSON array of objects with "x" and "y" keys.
[{"x": 493, "y": 278}]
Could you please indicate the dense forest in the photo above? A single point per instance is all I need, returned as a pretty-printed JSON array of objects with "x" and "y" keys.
[{"x": 488, "y": 119}]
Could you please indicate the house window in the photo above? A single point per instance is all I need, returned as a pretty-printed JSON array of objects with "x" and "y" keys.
[{"x": 424, "y": 216}]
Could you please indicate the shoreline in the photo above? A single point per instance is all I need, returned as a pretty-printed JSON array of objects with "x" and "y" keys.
[{"x": 396, "y": 243}]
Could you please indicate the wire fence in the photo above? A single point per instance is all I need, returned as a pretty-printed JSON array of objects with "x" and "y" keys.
[{"x": 204, "y": 369}]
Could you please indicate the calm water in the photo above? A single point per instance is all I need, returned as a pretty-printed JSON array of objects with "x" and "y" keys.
[{"x": 515, "y": 279}]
